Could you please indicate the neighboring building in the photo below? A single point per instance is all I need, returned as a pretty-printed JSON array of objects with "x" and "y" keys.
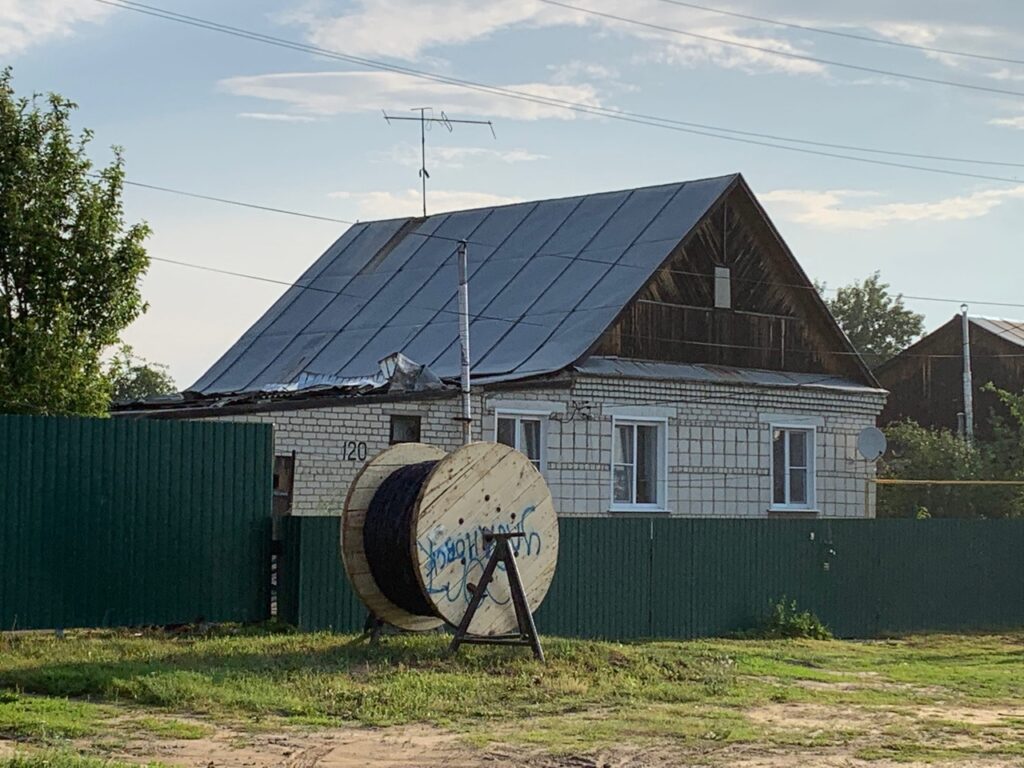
[
  {"x": 926, "y": 380},
  {"x": 651, "y": 350}
]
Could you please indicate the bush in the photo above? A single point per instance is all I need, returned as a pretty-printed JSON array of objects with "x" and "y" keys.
[{"x": 787, "y": 621}]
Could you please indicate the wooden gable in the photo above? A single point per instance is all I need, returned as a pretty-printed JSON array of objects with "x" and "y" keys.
[
  {"x": 926, "y": 385},
  {"x": 768, "y": 313}
]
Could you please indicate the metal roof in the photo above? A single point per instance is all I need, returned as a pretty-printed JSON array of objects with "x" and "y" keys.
[
  {"x": 718, "y": 374},
  {"x": 546, "y": 279},
  {"x": 1009, "y": 330}
]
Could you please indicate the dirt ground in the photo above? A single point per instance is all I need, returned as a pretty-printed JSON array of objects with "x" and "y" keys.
[{"x": 421, "y": 746}]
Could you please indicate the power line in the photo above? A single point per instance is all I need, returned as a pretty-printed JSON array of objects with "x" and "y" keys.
[
  {"x": 847, "y": 35},
  {"x": 515, "y": 321},
  {"x": 238, "y": 203},
  {"x": 681, "y": 126},
  {"x": 571, "y": 255},
  {"x": 263, "y": 279},
  {"x": 786, "y": 54}
]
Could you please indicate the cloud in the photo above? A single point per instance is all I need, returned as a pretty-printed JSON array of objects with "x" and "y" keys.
[
  {"x": 830, "y": 209},
  {"x": 453, "y": 157},
  {"x": 387, "y": 205},
  {"x": 332, "y": 93},
  {"x": 1009, "y": 122},
  {"x": 281, "y": 117},
  {"x": 405, "y": 29},
  {"x": 408, "y": 29},
  {"x": 25, "y": 23}
]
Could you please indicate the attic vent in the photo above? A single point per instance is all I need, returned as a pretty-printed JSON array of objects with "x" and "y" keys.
[
  {"x": 390, "y": 245},
  {"x": 723, "y": 288}
]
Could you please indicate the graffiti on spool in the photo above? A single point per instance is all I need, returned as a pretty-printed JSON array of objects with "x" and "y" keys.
[{"x": 452, "y": 559}]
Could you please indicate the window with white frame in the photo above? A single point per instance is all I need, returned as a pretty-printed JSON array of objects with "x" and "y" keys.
[
  {"x": 638, "y": 464},
  {"x": 792, "y": 467},
  {"x": 522, "y": 431}
]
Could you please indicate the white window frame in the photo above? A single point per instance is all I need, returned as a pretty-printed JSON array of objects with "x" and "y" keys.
[
  {"x": 661, "y": 505},
  {"x": 812, "y": 465},
  {"x": 530, "y": 414}
]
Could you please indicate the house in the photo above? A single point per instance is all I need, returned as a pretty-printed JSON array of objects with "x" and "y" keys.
[
  {"x": 653, "y": 350},
  {"x": 925, "y": 381}
]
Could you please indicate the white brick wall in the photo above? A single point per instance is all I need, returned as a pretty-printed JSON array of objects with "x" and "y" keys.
[{"x": 719, "y": 444}]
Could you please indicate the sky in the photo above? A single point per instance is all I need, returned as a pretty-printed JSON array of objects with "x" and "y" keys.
[{"x": 222, "y": 116}]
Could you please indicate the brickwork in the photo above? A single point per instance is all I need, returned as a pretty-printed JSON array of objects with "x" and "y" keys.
[{"x": 718, "y": 440}]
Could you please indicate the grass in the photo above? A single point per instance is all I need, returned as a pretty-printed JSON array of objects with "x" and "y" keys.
[
  {"x": 46, "y": 719},
  {"x": 589, "y": 695},
  {"x": 64, "y": 759}
]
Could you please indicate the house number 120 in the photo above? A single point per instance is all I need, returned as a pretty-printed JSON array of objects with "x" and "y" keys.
[{"x": 354, "y": 451}]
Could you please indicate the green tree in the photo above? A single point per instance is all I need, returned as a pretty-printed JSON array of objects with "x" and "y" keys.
[
  {"x": 918, "y": 453},
  {"x": 878, "y": 323},
  {"x": 134, "y": 378},
  {"x": 69, "y": 265}
]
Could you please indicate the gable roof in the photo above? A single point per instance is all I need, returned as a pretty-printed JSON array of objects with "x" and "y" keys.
[
  {"x": 546, "y": 279},
  {"x": 947, "y": 338}
]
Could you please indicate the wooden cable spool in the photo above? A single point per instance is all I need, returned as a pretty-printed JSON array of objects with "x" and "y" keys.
[{"x": 477, "y": 488}]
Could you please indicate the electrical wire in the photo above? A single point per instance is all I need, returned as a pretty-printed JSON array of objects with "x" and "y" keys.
[
  {"x": 637, "y": 118},
  {"x": 785, "y": 54},
  {"x": 847, "y": 35},
  {"x": 513, "y": 321},
  {"x": 570, "y": 255}
]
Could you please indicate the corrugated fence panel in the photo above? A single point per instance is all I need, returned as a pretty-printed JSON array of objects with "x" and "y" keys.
[
  {"x": 109, "y": 522},
  {"x": 600, "y": 588},
  {"x": 315, "y": 594},
  {"x": 635, "y": 577}
]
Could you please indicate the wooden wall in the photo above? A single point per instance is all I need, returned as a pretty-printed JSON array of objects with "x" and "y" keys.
[
  {"x": 776, "y": 321},
  {"x": 926, "y": 381}
]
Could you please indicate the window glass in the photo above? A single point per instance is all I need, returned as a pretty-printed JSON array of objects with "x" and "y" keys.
[
  {"x": 797, "y": 448},
  {"x": 405, "y": 429},
  {"x": 623, "y": 479},
  {"x": 624, "y": 444},
  {"x": 797, "y": 486},
  {"x": 646, "y": 464},
  {"x": 779, "y": 467},
  {"x": 529, "y": 442},
  {"x": 507, "y": 432}
]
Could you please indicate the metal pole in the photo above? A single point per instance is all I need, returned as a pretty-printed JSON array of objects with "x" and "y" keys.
[
  {"x": 467, "y": 413},
  {"x": 968, "y": 379},
  {"x": 423, "y": 158}
]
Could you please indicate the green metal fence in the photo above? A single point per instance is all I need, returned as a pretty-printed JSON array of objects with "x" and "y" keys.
[
  {"x": 111, "y": 522},
  {"x": 633, "y": 577}
]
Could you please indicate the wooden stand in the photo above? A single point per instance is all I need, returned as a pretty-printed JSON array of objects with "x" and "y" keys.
[{"x": 527, "y": 635}]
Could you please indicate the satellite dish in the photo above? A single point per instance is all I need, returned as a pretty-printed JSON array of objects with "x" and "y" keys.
[{"x": 871, "y": 443}]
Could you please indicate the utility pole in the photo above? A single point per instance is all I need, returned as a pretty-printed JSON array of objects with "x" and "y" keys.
[
  {"x": 968, "y": 378},
  {"x": 467, "y": 407},
  {"x": 425, "y": 124}
]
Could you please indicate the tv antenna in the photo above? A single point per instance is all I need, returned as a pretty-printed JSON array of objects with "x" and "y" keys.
[{"x": 425, "y": 124}]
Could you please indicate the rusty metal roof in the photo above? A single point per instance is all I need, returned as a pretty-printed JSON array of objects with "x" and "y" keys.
[
  {"x": 1009, "y": 330},
  {"x": 546, "y": 279}
]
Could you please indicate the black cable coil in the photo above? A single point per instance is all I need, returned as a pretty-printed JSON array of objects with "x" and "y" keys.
[{"x": 387, "y": 537}]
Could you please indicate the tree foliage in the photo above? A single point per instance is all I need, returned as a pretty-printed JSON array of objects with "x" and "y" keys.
[
  {"x": 134, "y": 378},
  {"x": 69, "y": 266},
  {"x": 878, "y": 323},
  {"x": 918, "y": 453}
]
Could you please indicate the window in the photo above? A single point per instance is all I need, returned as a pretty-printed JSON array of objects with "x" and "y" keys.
[
  {"x": 404, "y": 429},
  {"x": 284, "y": 483},
  {"x": 792, "y": 468},
  {"x": 524, "y": 432},
  {"x": 638, "y": 465}
]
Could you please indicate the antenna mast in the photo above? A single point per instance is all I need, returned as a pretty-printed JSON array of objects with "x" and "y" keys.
[{"x": 425, "y": 123}]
